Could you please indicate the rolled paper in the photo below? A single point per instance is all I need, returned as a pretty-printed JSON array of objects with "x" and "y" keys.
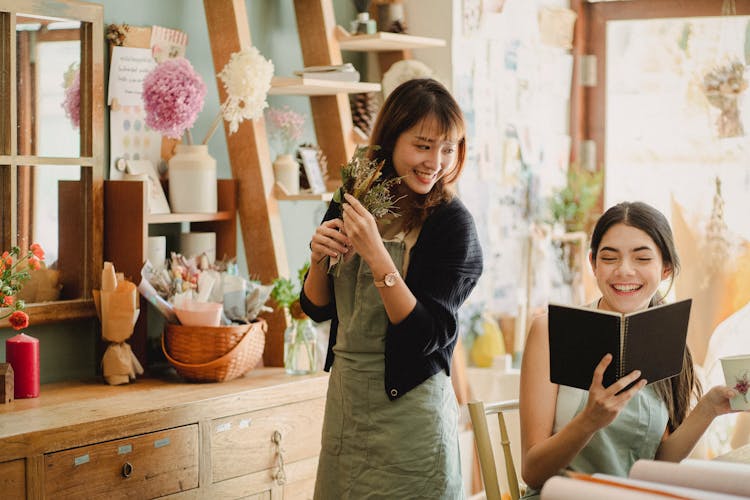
[{"x": 22, "y": 352}]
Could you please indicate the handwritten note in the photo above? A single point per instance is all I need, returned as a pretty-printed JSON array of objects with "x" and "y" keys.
[{"x": 127, "y": 70}]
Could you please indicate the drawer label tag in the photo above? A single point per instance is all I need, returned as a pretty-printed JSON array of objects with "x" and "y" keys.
[
  {"x": 245, "y": 423},
  {"x": 160, "y": 443},
  {"x": 81, "y": 460},
  {"x": 226, "y": 426},
  {"x": 126, "y": 448}
]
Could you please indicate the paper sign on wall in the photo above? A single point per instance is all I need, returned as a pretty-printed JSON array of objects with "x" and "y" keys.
[{"x": 127, "y": 70}]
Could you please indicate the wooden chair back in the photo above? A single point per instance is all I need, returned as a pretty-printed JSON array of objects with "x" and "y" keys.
[{"x": 478, "y": 411}]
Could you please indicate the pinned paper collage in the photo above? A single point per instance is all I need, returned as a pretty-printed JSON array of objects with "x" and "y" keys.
[{"x": 135, "y": 149}]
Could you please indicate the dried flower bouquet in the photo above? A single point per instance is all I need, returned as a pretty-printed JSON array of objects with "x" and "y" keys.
[{"x": 362, "y": 177}]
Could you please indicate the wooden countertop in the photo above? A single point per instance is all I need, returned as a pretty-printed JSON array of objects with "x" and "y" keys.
[{"x": 71, "y": 414}]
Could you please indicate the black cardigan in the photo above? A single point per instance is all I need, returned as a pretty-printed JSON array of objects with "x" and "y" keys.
[{"x": 445, "y": 264}]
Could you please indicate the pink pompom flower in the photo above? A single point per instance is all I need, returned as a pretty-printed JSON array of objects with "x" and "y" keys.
[
  {"x": 72, "y": 102},
  {"x": 173, "y": 95}
]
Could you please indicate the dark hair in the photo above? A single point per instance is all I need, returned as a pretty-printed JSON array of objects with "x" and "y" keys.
[
  {"x": 409, "y": 104},
  {"x": 675, "y": 391}
]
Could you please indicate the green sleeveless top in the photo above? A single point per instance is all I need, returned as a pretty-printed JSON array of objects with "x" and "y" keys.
[{"x": 636, "y": 433}]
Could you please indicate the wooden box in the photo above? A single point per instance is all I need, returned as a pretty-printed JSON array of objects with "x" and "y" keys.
[{"x": 6, "y": 383}]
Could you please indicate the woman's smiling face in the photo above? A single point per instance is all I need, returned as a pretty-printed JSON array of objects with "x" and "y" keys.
[
  {"x": 628, "y": 269},
  {"x": 422, "y": 155}
]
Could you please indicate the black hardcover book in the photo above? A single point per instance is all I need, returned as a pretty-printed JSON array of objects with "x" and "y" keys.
[{"x": 651, "y": 340}]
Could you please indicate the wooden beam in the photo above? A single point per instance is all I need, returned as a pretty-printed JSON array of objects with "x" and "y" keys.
[
  {"x": 260, "y": 221},
  {"x": 332, "y": 115}
]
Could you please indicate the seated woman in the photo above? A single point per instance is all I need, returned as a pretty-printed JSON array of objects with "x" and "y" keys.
[{"x": 606, "y": 429}]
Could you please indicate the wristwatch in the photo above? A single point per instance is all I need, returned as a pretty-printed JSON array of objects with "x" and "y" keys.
[{"x": 388, "y": 280}]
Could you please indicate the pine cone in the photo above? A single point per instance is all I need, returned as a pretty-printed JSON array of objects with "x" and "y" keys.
[
  {"x": 364, "y": 109},
  {"x": 397, "y": 26}
]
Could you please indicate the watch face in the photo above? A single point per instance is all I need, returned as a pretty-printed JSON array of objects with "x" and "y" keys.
[{"x": 390, "y": 279}]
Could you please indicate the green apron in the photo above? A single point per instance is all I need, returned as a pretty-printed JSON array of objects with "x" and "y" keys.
[{"x": 373, "y": 447}]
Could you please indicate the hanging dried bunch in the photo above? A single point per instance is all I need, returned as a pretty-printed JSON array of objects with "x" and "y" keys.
[
  {"x": 726, "y": 79},
  {"x": 717, "y": 247},
  {"x": 722, "y": 87}
]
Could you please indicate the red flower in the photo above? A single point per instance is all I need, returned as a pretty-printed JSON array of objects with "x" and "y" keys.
[
  {"x": 8, "y": 300},
  {"x": 34, "y": 263},
  {"x": 19, "y": 320},
  {"x": 37, "y": 250}
]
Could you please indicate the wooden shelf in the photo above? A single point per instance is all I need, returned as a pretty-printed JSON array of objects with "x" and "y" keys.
[
  {"x": 185, "y": 217},
  {"x": 297, "y": 85},
  {"x": 384, "y": 41},
  {"x": 281, "y": 194}
]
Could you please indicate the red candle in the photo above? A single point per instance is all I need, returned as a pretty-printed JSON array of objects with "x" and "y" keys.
[{"x": 22, "y": 352}]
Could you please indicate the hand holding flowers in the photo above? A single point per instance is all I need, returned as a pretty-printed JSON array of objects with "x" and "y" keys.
[
  {"x": 362, "y": 178},
  {"x": 12, "y": 277}
]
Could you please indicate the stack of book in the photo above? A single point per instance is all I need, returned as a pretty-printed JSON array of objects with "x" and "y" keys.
[{"x": 340, "y": 72}]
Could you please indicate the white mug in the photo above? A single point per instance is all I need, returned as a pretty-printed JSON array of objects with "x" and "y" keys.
[{"x": 737, "y": 376}]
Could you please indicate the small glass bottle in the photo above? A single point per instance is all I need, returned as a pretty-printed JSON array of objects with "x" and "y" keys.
[
  {"x": 363, "y": 25},
  {"x": 300, "y": 346}
]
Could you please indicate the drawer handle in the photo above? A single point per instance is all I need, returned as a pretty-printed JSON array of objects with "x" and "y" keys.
[
  {"x": 280, "y": 474},
  {"x": 127, "y": 469}
]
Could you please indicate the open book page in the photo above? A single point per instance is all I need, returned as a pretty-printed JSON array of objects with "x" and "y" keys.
[
  {"x": 720, "y": 477},
  {"x": 565, "y": 488},
  {"x": 662, "y": 489}
]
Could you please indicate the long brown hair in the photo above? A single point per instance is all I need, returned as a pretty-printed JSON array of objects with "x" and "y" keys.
[
  {"x": 409, "y": 104},
  {"x": 676, "y": 392}
]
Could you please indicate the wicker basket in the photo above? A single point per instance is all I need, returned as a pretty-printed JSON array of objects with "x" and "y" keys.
[{"x": 214, "y": 354}]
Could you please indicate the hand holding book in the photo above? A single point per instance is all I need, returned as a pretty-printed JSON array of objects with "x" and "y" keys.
[{"x": 651, "y": 340}]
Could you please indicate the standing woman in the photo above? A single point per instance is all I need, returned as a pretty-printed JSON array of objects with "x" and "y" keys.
[
  {"x": 606, "y": 429},
  {"x": 391, "y": 417}
]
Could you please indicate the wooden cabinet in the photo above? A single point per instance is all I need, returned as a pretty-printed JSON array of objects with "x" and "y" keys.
[
  {"x": 250, "y": 442},
  {"x": 13, "y": 479},
  {"x": 126, "y": 230},
  {"x": 154, "y": 464},
  {"x": 156, "y": 438}
]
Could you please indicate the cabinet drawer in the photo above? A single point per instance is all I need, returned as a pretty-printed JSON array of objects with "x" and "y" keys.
[
  {"x": 144, "y": 466},
  {"x": 13, "y": 479},
  {"x": 243, "y": 444}
]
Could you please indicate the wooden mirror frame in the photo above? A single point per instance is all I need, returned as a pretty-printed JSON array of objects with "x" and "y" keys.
[{"x": 90, "y": 226}]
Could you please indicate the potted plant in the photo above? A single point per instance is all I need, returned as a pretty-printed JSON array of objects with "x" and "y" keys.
[{"x": 572, "y": 206}]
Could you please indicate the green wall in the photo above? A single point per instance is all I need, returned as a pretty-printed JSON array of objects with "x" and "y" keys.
[{"x": 68, "y": 350}]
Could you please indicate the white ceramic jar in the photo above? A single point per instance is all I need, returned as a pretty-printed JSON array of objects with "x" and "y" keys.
[
  {"x": 192, "y": 180},
  {"x": 286, "y": 171}
]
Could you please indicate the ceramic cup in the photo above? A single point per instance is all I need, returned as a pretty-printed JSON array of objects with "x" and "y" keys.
[
  {"x": 157, "y": 251},
  {"x": 737, "y": 376},
  {"x": 194, "y": 244}
]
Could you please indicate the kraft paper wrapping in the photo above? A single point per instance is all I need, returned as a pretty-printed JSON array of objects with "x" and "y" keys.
[
  {"x": 120, "y": 365},
  {"x": 117, "y": 308},
  {"x": 119, "y": 312}
]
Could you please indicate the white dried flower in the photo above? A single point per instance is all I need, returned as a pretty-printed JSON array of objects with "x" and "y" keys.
[{"x": 247, "y": 80}]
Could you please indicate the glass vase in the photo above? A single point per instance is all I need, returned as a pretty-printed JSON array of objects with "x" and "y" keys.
[{"x": 300, "y": 349}]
